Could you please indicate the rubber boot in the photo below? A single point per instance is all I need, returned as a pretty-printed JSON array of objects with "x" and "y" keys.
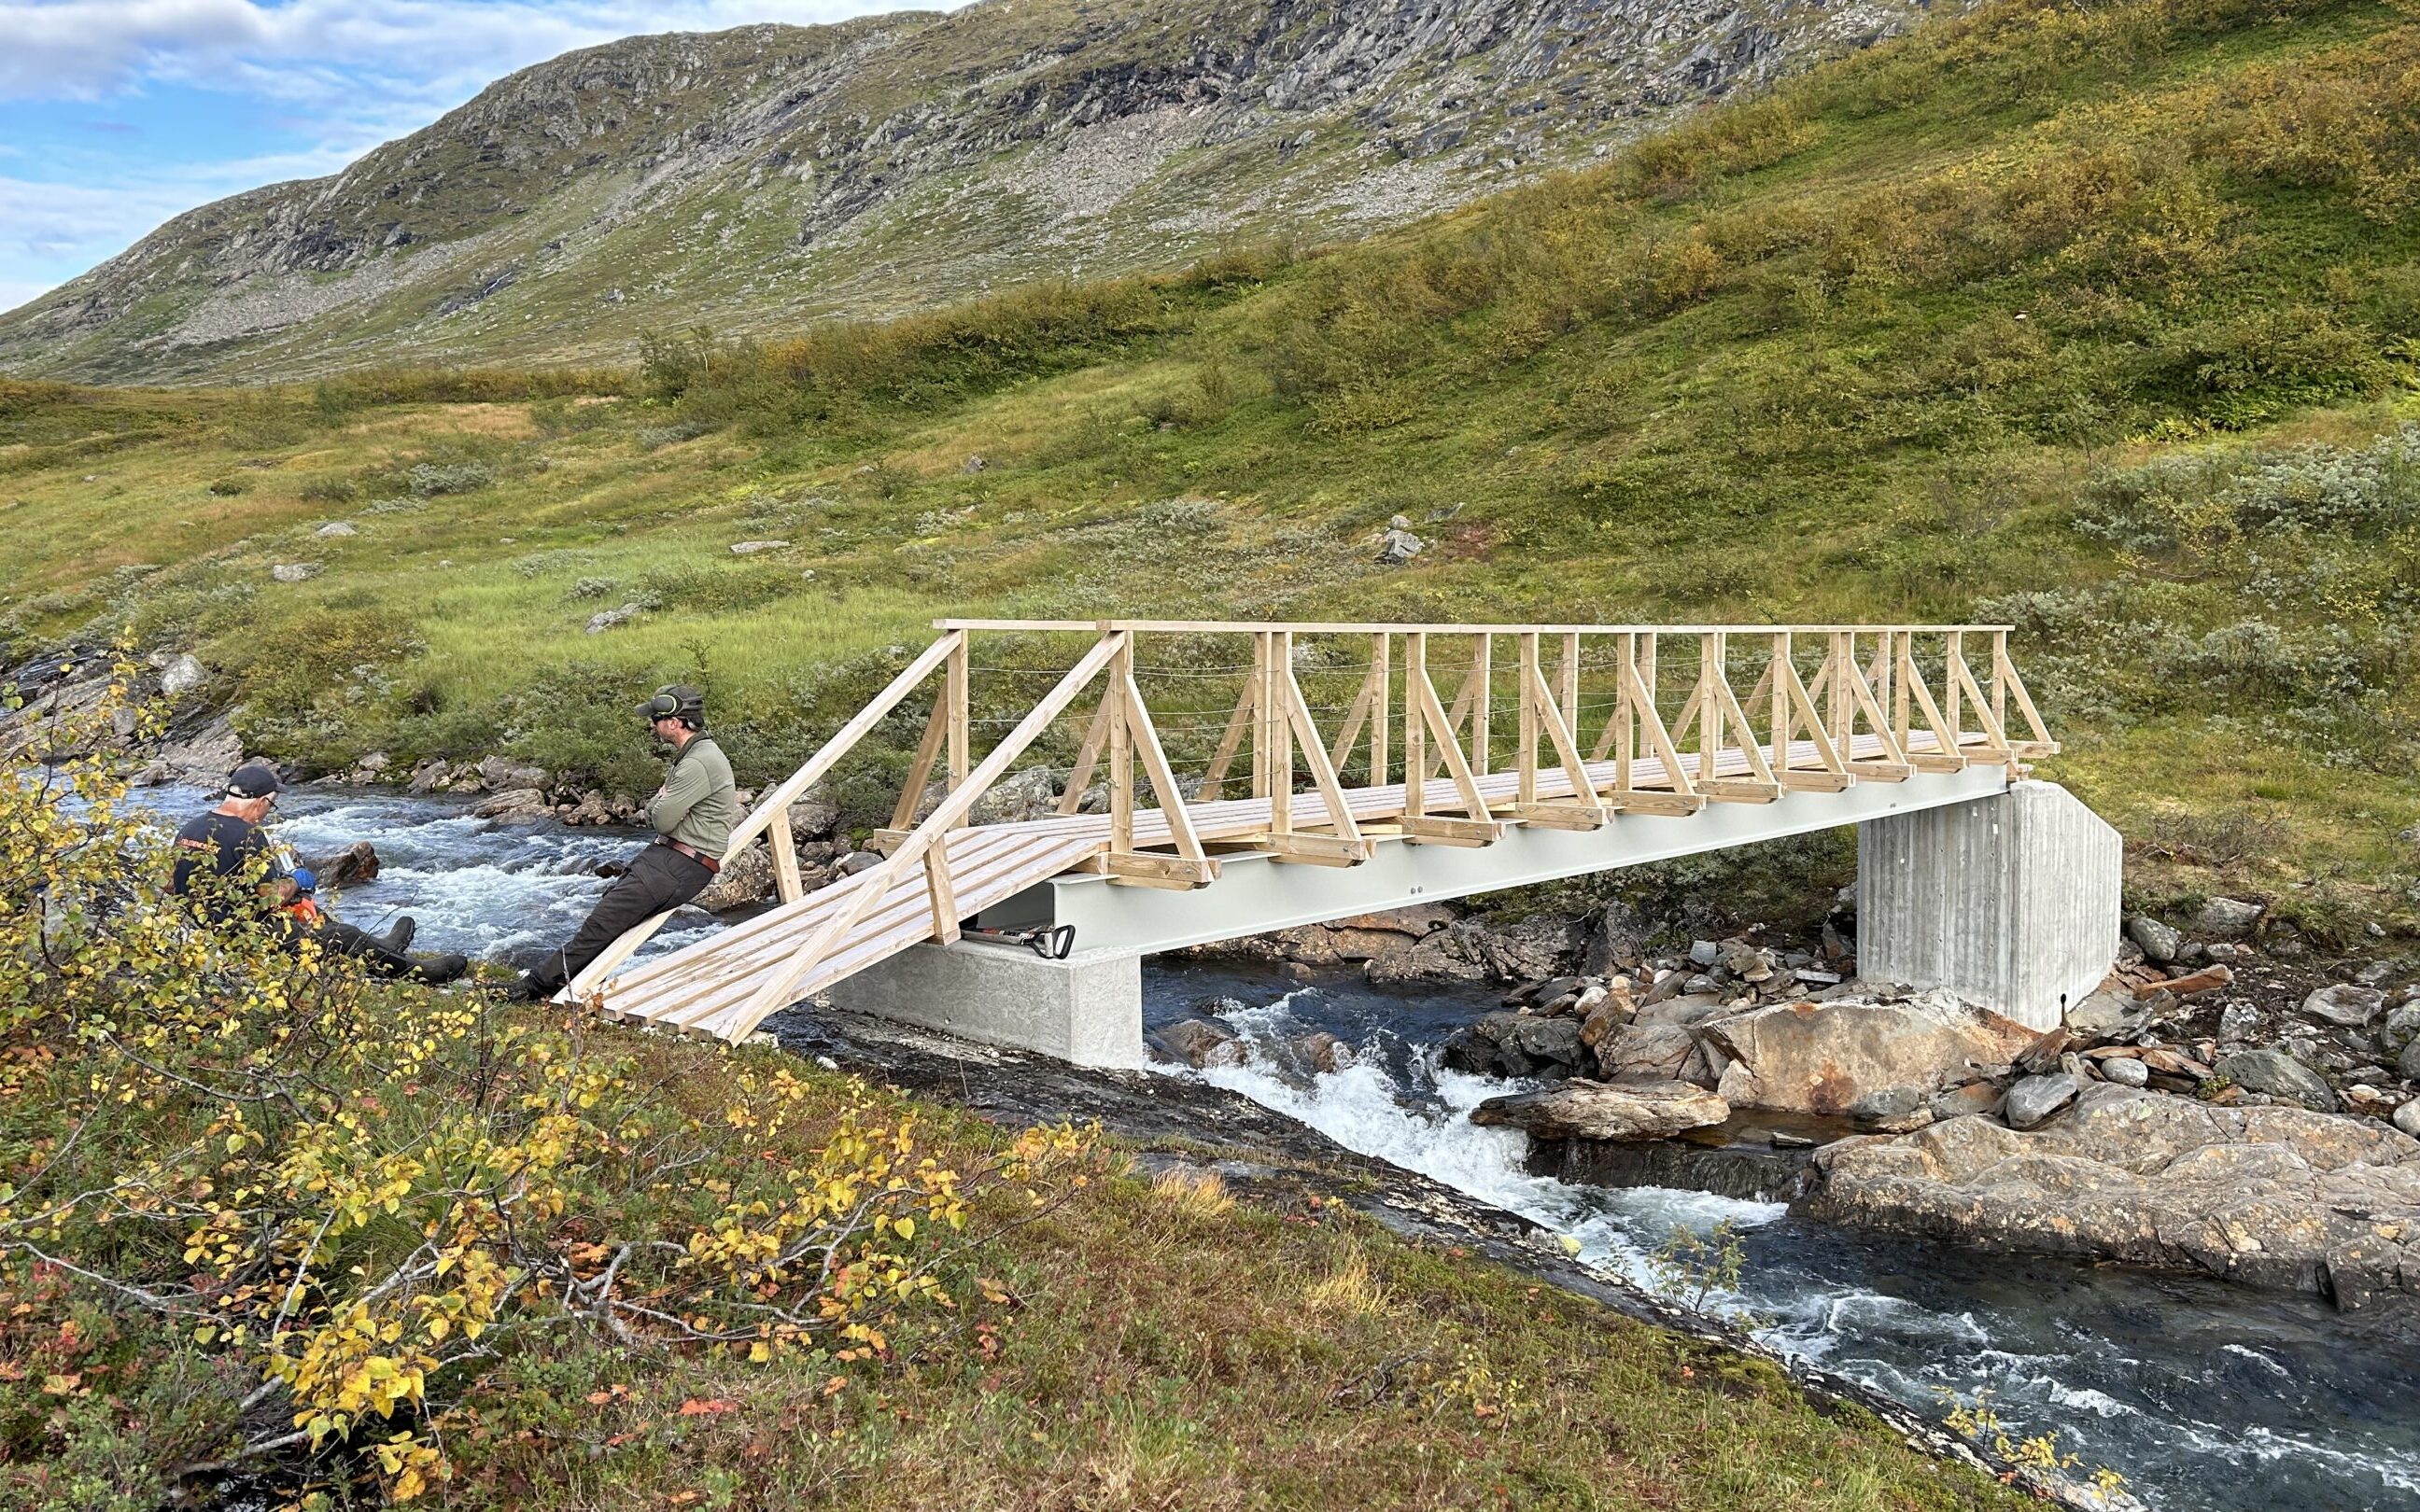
[{"x": 398, "y": 938}]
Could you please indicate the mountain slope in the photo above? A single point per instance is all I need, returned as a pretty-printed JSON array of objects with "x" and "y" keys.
[{"x": 750, "y": 179}]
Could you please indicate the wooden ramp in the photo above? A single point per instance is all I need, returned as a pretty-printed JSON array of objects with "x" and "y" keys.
[{"x": 943, "y": 870}]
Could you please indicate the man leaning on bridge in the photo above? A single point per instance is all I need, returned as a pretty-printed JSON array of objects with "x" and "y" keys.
[{"x": 692, "y": 814}]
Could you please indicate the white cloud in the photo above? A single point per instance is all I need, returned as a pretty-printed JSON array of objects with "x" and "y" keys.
[{"x": 84, "y": 49}]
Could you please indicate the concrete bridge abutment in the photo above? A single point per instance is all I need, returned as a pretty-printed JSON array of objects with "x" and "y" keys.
[
  {"x": 2012, "y": 902},
  {"x": 1086, "y": 1009}
]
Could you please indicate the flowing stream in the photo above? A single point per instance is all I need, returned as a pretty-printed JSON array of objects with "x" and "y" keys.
[{"x": 2204, "y": 1396}]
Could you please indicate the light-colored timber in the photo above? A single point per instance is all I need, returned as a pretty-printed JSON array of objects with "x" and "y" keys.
[{"x": 1831, "y": 706}]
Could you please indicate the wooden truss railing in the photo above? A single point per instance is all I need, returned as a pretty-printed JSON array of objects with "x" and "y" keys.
[{"x": 1830, "y": 705}]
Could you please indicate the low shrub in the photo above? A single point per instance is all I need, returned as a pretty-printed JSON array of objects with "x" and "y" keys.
[{"x": 257, "y": 1213}]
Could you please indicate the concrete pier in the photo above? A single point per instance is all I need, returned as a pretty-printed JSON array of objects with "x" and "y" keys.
[
  {"x": 1086, "y": 1009},
  {"x": 2010, "y": 902}
]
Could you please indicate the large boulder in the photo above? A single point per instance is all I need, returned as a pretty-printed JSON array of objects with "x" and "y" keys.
[
  {"x": 515, "y": 806},
  {"x": 2227, "y": 919},
  {"x": 2346, "y": 1005},
  {"x": 1599, "y": 1110},
  {"x": 2278, "y": 1075},
  {"x": 1019, "y": 798},
  {"x": 1520, "y": 1044},
  {"x": 1820, "y": 1058},
  {"x": 1655, "y": 1051},
  {"x": 2032, "y": 1101},
  {"x": 746, "y": 879},
  {"x": 1470, "y": 950},
  {"x": 2272, "y": 1196},
  {"x": 357, "y": 862}
]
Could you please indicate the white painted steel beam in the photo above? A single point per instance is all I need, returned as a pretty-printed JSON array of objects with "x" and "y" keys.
[{"x": 1255, "y": 894}]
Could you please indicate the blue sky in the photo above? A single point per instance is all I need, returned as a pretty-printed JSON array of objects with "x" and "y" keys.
[{"x": 115, "y": 114}]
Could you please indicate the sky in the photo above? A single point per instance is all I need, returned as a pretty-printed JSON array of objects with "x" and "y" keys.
[{"x": 115, "y": 114}]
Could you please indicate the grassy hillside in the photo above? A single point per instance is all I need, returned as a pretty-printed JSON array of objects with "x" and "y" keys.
[{"x": 2101, "y": 320}]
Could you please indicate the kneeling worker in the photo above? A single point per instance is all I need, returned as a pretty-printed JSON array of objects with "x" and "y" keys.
[
  {"x": 218, "y": 852},
  {"x": 694, "y": 813}
]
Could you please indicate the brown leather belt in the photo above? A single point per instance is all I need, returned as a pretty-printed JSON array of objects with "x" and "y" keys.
[{"x": 692, "y": 852}]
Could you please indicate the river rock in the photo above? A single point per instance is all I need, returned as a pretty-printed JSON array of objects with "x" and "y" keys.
[
  {"x": 2227, "y": 919},
  {"x": 1018, "y": 797},
  {"x": 1892, "y": 1109},
  {"x": 182, "y": 675},
  {"x": 2345, "y": 1005},
  {"x": 202, "y": 759},
  {"x": 2278, "y": 1075},
  {"x": 2158, "y": 941},
  {"x": 357, "y": 862},
  {"x": 606, "y": 619},
  {"x": 1202, "y": 1043},
  {"x": 1325, "y": 1053},
  {"x": 2407, "y": 1118},
  {"x": 515, "y": 806},
  {"x": 2401, "y": 1027},
  {"x": 2126, "y": 1072},
  {"x": 2102, "y": 1014},
  {"x": 1597, "y": 1110},
  {"x": 746, "y": 879},
  {"x": 1471, "y": 950},
  {"x": 2272, "y": 1196},
  {"x": 1652, "y": 1051},
  {"x": 2407, "y": 1065},
  {"x": 2034, "y": 1099},
  {"x": 499, "y": 774},
  {"x": 1820, "y": 1058},
  {"x": 1617, "y": 941}
]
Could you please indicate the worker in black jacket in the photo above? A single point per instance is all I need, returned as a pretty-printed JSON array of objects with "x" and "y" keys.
[{"x": 226, "y": 866}]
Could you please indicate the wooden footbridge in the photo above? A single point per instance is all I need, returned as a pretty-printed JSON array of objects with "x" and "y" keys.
[{"x": 1550, "y": 730}]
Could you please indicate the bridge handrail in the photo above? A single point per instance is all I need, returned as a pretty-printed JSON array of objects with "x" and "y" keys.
[{"x": 1889, "y": 692}]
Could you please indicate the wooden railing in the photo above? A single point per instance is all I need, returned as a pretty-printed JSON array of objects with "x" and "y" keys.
[{"x": 1831, "y": 704}]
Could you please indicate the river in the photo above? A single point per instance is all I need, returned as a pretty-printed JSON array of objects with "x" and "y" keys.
[{"x": 2202, "y": 1395}]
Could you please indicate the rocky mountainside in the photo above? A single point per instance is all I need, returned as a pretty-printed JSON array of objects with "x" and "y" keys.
[{"x": 752, "y": 178}]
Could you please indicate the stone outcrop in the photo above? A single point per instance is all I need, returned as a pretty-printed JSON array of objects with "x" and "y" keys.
[
  {"x": 1819, "y": 1057},
  {"x": 1579, "y": 1109},
  {"x": 2272, "y": 1196}
]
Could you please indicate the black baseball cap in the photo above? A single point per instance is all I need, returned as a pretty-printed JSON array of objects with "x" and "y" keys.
[{"x": 252, "y": 781}]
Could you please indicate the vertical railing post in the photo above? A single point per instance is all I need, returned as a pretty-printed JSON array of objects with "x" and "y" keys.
[
  {"x": 1415, "y": 738},
  {"x": 1260, "y": 714},
  {"x": 1569, "y": 688},
  {"x": 2000, "y": 678},
  {"x": 787, "y": 883},
  {"x": 1526, "y": 780},
  {"x": 1953, "y": 652},
  {"x": 1626, "y": 715},
  {"x": 1482, "y": 672},
  {"x": 1712, "y": 648},
  {"x": 1120, "y": 744},
  {"x": 954, "y": 690},
  {"x": 1381, "y": 679},
  {"x": 1843, "y": 665},
  {"x": 1276, "y": 666},
  {"x": 1781, "y": 712}
]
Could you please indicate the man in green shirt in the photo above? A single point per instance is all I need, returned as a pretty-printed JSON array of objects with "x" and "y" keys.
[{"x": 692, "y": 814}]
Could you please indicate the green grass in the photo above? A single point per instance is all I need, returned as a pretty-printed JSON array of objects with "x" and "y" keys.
[{"x": 1873, "y": 347}]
